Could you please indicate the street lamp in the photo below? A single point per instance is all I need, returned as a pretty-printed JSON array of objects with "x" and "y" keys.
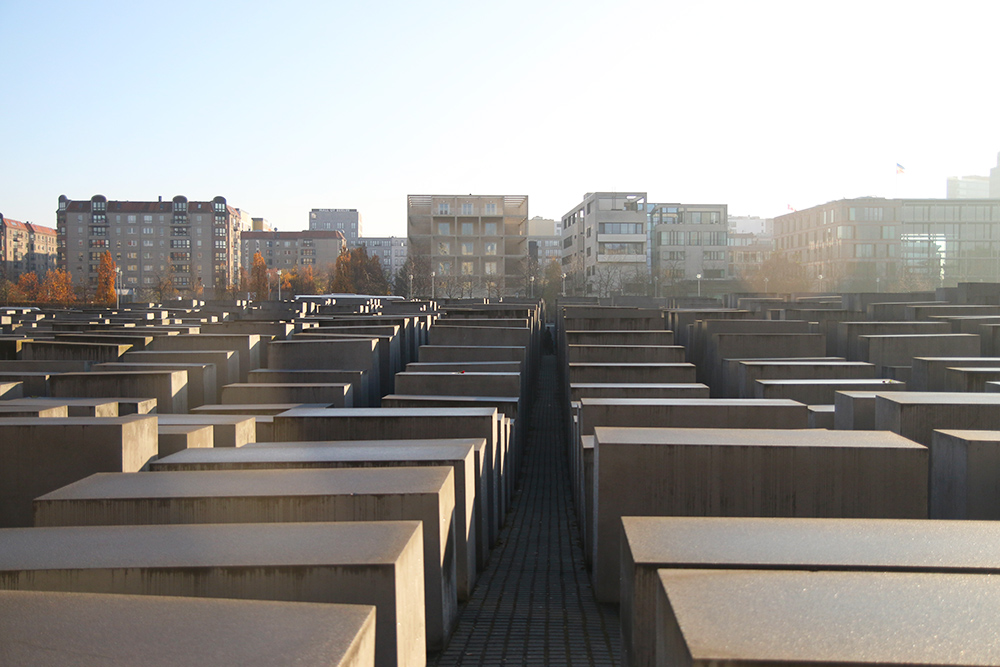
[
  {"x": 118, "y": 284},
  {"x": 766, "y": 281},
  {"x": 532, "y": 287},
  {"x": 564, "y": 284},
  {"x": 410, "y": 295},
  {"x": 433, "y": 274},
  {"x": 820, "y": 276},
  {"x": 279, "y": 284},
  {"x": 698, "y": 276}
]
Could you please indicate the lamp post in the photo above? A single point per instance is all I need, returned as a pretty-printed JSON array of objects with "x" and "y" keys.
[
  {"x": 433, "y": 274},
  {"x": 410, "y": 295},
  {"x": 118, "y": 283},
  {"x": 766, "y": 281},
  {"x": 532, "y": 287},
  {"x": 279, "y": 284},
  {"x": 820, "y": 276},
  {"x": 698, "y": 276},
  {"x": 564, "y": 284}
]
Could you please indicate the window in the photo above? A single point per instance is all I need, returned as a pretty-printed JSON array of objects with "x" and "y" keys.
[
  {"x": 178, "y": 231},
  {"x": 443, "y": 208},
  {"x": 490, "y": 228},
  {"x": 220, "y": 257},
  {"x": 620, "y": 228},
  {"x": 674, "y": 255},
  {"x": 220, "y": 244},
  {"x": 621, "y": 249},
  {"x": 715, "y": 256},
  {"x": 147, "y": 243},
  {"x": 490, "y": 268},
  {"x": 468, "y": 268},
  {"x": 466, "y": 209},
  {"x": 490, "y": 209},
  {"x": 220, "y": 231},
  {"x": 467, "y": 249},
  {"x": 180, "y": 243},
  {"x": 444, "y": 248},
  {"x": 694, "y": 238},
  {"x": 443, "y": 268},
  {"x": 490, "y": 248},
  {"x": 444, "y": 229},
  {"x": 467, "y": 229},
  {"x": 98, "y": 231}
]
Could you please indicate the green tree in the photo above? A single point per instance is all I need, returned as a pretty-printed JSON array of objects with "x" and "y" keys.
[{"x": 258, "y": 278}]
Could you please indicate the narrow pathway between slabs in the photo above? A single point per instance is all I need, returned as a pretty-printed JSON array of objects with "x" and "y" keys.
[{"x": 534, "y": 604}]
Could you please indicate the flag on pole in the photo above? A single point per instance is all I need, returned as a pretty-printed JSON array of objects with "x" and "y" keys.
[
  {"x": 900, "y": 169},
  {"x": 790, "y": 208}
]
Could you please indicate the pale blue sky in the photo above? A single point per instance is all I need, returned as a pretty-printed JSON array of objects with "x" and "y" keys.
[{"x": 286, "y": 107}]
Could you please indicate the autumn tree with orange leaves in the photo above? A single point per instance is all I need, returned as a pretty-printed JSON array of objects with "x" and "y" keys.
[{"x": 106, "y": 271}]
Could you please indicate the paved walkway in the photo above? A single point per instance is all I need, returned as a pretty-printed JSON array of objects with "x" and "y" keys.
[{"x": 534, "y": 604}]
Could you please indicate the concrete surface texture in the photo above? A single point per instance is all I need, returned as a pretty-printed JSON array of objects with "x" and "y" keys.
[
  {"x": 425, "y": 494},
  {"x": 652, "y": 543},
  {"x": 83, "y": 629},
  {"x": 734, "y": 472},
  {"x": 367, "y": 563},
  {"x": 964, "y": 474},
  {"x": 825, "y": 618}
]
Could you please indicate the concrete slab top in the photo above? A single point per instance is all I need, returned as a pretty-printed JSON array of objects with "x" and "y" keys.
[
  {"x": 940, "y": 398},
  {"x": 785, "y": 362},
  {"x": 82, "y": 629},
  {"x": 616, "y": 364},
  {"x": 835, "y": 617},
  {"x": 832, "y": 381},
  {"x": 46, "y": 400},
  {"x": 486, "y": 374},
  {"x": 767, "y": 543},
  {"x": 254, "y": 483},
  {"x": 317, "y": 452},
  {"x": 637, "y": 385},
  {"x": 77, "y": 421},
  {"x": 389, "y": 413},
  {"x": 722, "y": 437},
  {"x": 205, "y": 545},
  {"x": 982, "y": 437},
  {"x": 691, "y": 402},
  {"x": 208, "y": 418}
]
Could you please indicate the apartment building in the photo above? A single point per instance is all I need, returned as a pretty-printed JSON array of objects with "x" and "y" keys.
[
  {"x": 871, "y": 243},
  {"x": 391, "y": 251},
  {"x": 689, "y": 241},
  {"x": 474, "y": 245},
  {"x": 345, "y": 220},
  {"x": 195, "y": 245},
  {"x": 285, "y": 250},
  {"x": 26, "y": 247},
  {"x": 544, "y": 243}
]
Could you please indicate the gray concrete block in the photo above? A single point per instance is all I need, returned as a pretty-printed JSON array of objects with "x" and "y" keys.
[
  {"x": 899, "y": 350},
  {"x": 745, "y": 413},
  {"x": 916, "y": 415},
  {"x": 824, "y": 618},
  {"x": 226, "y": 362},
  {"x": 77, "y": 407},
  {"x": 202, "y": 383},
  {"x": 966, "y": 379},
  {"x": 424, "y": 494},
  {"x": 748, "y": 371},
  {"x": 333, "y": 395},
  {"x": 247, "y": 345},
  {"x": 822, "y": 391},
  {"x": 369, "y": 563},
  {"x": 11, "y": 390},
  {"x": 626, "y": 354},
  {"x": 459, "y": 384},
  {"x": 734, "y": 472},
  {"x": 462, "y": 455},
  {"x": 227, "y": 430},
  {"x": 176, "y": 438},
  {"x": 965, "y": 475},
  {"x": 40, "y": 455},
  {"x": 168, "y": 387},
  {"x": 77, "y": 629},
  {"x": 588, "y": 373},
  {"x": 683, "y": 543},
  {"x": 637, "y": 390}
]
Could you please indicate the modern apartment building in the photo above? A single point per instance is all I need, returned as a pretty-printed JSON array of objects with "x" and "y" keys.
[
  {"x": 474, "y": 245},
  {"x": 618, "y": 242},
  {"x": 193, "y": 244},
  {"x": 544, "y": 243},
  {"x": 285, "y": 250},
  {"x": 345, "y": 220},
  {"x": 25, "y": 247},
  {"x": 873, "y": 243},
  {"x": 391, "y": 251}
]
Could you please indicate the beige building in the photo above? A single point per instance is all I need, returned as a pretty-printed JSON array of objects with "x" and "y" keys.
[
  {"x": 390, "y": 250},
  {"x": 872, "y": 243},
  {"x": 285, "y": 250},
  {"x": 544, "y": 243},
  {"x": 26, "y": 247},
  {"x": 605, "y": 244},
  {"x": 474, "y": 245},
  {"x": 195, "y": 245}
]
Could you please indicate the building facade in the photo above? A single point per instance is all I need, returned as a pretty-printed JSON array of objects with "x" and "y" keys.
[
  {"x": 474, "y": 245},
  {"x": 193, "y": 245},
  {"x": 544, "y": 243},
  {"x": 26, "y": 247},
  {"x": 618, "y": 242},
  {"x": 874, "y": 244},
  {"x": 605, "y": 244},
  {"x": 345, "y": 220},
  {"x": 391, "y": 251},
  {"x": 968, "y": 187},
  {"x": 287, "y": 250}
]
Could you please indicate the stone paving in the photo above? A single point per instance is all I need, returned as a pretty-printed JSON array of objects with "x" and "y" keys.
[{"x": 534, "y": 604}]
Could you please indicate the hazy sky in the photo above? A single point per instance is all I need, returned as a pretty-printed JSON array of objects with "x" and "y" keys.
[{"x": 284, "y": 107}]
